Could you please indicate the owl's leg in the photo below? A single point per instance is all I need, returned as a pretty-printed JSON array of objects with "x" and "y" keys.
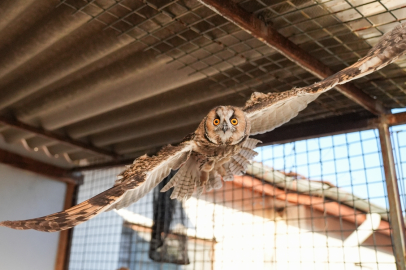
[
  {"x": 208, "y": 166},
  {"x": 221, "y": 170},
  {"x": 204, "y": 176},
  {"x": 224, "y": 171},
  {"x": 214, "y": 181},
  {"x": 220, "y": 166}
]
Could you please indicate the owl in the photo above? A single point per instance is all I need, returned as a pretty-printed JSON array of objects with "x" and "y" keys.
[{"x": 220, "y": 147}]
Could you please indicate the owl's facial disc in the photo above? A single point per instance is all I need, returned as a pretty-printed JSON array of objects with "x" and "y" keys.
[
  {"x": 224, "y": 129},
  {"x": 225, "y": 125}
]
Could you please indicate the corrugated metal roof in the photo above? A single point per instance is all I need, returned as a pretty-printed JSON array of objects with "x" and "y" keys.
[{"x": 131, "y": 75}]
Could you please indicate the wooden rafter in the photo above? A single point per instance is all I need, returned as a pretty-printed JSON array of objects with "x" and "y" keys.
[
  {"x": 54, "y": 136},
  {"x": 25, "y": 163}
]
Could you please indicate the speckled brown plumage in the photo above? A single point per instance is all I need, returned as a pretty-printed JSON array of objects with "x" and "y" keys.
[{"x": 219, "y": 148}]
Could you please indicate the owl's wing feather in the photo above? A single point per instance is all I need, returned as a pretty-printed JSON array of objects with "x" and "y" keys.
[
  {"x": 269, "y": 111},
  {"x": 178, "y": 157},
  {"x": 141, "y": 177}
]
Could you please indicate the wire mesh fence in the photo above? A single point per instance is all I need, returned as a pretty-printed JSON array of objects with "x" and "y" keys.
[
  {"x": 350, "y": 164},
  {"x": 313, "y": 204}
]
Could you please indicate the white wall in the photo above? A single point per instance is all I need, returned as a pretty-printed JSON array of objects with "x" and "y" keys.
[
  {"x": 291, "y": 241},
  {"x": 25, "y": 195}
]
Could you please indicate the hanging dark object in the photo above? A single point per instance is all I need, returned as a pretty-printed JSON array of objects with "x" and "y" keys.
[{"x": 167, "y": 245}]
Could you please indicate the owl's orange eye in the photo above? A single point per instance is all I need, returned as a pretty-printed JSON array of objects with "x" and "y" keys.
[
  {"x": 234, "y": 121},
  {"x": 216, "y": 122}
]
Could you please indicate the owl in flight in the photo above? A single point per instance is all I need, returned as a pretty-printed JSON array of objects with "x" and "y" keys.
[{"x": 219, "y": 148}]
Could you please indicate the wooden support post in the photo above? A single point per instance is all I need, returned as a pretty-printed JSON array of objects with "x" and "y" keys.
[
  {"x": 65, "y": 237},
  {"x": 395, "y": 208}
]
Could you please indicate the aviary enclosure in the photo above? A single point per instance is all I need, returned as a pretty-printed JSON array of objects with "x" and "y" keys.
[{"x": 89, "y": 85}]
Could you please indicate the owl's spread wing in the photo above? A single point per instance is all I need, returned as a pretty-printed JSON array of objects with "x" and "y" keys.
[
  {"x": 172, "y": 158},
  {"x": 269, "y": 111},
  {"x": 139, "y": 178}
]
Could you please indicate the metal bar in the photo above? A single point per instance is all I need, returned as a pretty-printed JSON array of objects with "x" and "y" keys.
[
  {"x": 395, "y": 210},
  {"x": 54, "y": 136},
  {"x": 25, "y": 163},
  {"x": 259, "y": 29}
]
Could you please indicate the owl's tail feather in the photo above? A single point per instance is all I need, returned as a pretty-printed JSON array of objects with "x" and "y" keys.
[
  {"x": 71, "y": 217},
  {"x": 184, "y": 180}
]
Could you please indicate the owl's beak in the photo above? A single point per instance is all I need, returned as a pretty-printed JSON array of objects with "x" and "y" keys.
[{"x": 225, "y": 127}]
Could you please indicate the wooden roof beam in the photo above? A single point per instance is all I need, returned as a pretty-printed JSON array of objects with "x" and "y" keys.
[
  {"x": 265, "y": 33},
  {"x": 300, "y": 131},
  {"x": 14, "y": 123},
  {"x": 38, "y": 167}
]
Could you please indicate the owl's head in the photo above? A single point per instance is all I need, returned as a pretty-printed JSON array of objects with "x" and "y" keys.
[{"x": 226, "y": 125}]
